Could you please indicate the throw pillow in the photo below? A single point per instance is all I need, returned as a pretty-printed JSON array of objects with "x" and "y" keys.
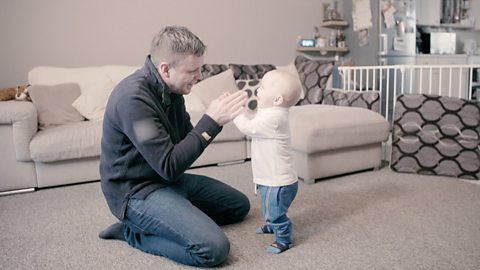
[
  {"x": 92, "y": 102},
  {"x": 436, "y": 135},
  {"x": 291, "y": 69},
  {"x": 248, "y": 78},
  {"x": 209, "y": 70},
  {"x": 250, "y": 71},
  {"x": 363, "y": 99},
  {"x": 54, "y": 104},
  {"x": 193, "y": 103},
  {"x": 213, "y": 87},
  {"x": 313, "y": 75}
]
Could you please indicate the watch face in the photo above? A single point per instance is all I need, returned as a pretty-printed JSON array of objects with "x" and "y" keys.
[{"x": 307, "y": 42}]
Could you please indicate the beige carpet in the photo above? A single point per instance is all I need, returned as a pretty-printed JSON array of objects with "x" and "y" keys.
[{"x": 370, "y": 220}]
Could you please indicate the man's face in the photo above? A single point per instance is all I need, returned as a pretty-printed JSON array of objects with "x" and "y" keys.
[{"x": 184, "y": 75}]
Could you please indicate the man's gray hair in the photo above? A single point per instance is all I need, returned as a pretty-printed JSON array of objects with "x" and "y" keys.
[{"x": 171, "y": 43}]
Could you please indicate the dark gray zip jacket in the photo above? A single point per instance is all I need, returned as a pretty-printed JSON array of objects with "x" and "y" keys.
[{"x": 148, "y": 141}]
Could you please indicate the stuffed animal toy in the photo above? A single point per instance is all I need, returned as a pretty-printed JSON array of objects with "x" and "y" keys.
[{"x": 19, "y": 93}]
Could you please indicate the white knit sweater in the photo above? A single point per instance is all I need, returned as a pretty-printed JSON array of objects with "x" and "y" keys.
[{"x": 271, "y": 158}]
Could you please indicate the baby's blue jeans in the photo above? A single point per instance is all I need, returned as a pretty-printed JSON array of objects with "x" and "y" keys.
[{"x": 275, "y": 204}]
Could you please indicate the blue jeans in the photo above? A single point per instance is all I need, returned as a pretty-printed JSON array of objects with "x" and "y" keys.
[
  {"x": 275, "y": 204},
  {"x": 181, "y": 222}
]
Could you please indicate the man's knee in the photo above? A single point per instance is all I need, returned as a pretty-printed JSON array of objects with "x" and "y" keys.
[
  {"x": 213, "y": 252},
  {"x": 243, "y": 208}
]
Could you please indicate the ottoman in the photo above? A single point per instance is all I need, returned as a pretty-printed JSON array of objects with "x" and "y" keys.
[{"x": 329, "y": 140}]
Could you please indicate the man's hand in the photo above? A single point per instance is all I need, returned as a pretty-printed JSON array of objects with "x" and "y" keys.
[{"x": 227, "y": 106}]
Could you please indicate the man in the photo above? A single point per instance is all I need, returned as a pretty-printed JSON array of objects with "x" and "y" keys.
[{"x": 148, "y": 142}]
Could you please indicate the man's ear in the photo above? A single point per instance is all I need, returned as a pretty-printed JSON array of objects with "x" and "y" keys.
[
  {"x": 164, "y": 70},
  {"x": 278, "y": 100}
]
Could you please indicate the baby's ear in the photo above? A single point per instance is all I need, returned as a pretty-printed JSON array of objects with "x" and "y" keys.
[{"x": 278, "y": 101}]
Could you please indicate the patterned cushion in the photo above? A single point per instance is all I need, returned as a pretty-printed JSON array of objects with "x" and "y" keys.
[
  {"x": 363, "y": 99},
  {"x": 313, "y": 76},
  {"x": 209, "y": 70},
  {"x": 248, "y": 78},
  {"x": 436, "y": 135},
  {"x": 250, "y": 86},
  {"x": 250, "y": 71}
]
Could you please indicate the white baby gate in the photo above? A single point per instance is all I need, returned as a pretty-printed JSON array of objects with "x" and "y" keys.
[{"x": 462, "y": 81}]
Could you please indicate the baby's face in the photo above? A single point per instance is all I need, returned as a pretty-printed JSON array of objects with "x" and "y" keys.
[{"x": 267, "y": 93}]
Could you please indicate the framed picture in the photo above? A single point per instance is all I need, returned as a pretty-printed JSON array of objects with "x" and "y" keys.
[{"x": 330, "y": 13}]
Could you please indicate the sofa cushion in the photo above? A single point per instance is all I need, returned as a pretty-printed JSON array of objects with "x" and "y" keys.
[
  {"x": 313, "y": 75},
  {"x": 317, "y": 128},
  {"x": 363, "y": 99},
  {"x": 436, "y": 135},
  {"x": 54, "y": 104},
  {"x": 70, "y": 141}
]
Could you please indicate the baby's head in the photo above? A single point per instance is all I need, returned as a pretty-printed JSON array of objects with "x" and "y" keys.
[{"x": 278, "y": 88}]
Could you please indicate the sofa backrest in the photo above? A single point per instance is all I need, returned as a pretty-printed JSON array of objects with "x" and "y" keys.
[{"x": 86, "y": 77}]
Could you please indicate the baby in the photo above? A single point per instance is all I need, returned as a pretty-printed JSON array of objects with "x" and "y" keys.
[{"x": 273, "y": 174}]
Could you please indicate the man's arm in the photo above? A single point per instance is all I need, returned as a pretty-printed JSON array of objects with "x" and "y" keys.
[
  {"x": 154, "y": 137},
  {"x": 158, "y": 142}
]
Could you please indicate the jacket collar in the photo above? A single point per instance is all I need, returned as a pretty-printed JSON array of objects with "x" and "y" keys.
[{"x": 158, "y": 83}]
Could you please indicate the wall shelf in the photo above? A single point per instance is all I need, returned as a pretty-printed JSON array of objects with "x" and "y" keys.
[
  {"x": 322, "y": 49},
  {"x": 334, "y": 24}
]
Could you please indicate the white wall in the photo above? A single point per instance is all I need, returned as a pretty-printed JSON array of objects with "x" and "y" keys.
[{"x": 76, "y": 33}]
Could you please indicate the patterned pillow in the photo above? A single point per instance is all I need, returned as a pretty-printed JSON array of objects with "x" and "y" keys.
[
  {"x": 209, "y": 70},
  {"x": 363, "y": 99},
  {"x": 250, "y": 71},
  {"x": 313, "y": 76},
  {"x": 436, "y": 135},
  {"x": 248, "y": 78}
]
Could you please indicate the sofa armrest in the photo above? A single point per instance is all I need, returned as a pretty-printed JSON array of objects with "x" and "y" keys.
[{"x": 22, "y": 116}]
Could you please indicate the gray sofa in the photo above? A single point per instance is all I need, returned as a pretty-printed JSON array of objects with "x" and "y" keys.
[{"x": 68, "y": 152}]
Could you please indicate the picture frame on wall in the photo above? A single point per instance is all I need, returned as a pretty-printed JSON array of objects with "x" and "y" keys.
[{"x": 330, "y": 12}]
